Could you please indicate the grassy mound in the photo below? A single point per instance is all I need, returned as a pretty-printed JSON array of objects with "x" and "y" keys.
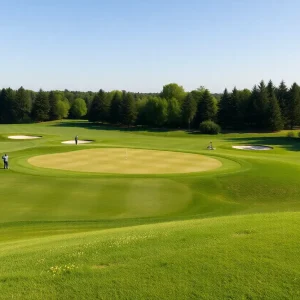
[{"x": 242, "y": 257}]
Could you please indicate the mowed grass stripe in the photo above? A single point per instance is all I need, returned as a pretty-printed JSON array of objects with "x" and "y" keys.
[{"x": 126, "y": 161}]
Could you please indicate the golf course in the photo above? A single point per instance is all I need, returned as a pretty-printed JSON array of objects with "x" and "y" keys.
[{"x": 136, "y": 213}]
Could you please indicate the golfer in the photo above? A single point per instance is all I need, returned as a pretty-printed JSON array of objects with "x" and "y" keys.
[
  {"x": 76, "y": 139},
  {"x": 5, "y": 161}
]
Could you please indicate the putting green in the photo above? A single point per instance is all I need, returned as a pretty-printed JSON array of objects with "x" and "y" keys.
[{"x": 126, "y": 161}]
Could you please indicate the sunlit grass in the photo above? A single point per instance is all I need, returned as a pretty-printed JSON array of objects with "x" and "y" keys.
[{"x": 231, "y": 233}]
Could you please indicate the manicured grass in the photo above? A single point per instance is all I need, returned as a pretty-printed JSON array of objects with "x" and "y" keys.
[
  {"x": 249, "y": 257},
  {"x": 126, "y": 161},
  {"x": 228, "y": 233}
]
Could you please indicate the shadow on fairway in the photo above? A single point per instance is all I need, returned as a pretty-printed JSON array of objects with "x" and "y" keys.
[
  {"x": 99, "y": 126},
  {"x": 291, "y": 144}
]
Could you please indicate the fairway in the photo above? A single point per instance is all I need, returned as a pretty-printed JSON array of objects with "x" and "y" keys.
[
  {"x": 115, "y": 220},
  {"x": 126, "y": 161}
]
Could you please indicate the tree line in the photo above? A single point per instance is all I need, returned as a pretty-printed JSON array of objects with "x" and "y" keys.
[
  {"x": 266, "y": 107},
  {"x": 24, "y": 106}
]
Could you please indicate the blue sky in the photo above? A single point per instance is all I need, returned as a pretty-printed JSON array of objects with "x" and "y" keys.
[{"x": 141, "y": 45}]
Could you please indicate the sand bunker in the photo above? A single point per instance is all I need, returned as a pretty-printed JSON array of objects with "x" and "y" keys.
[
  {"x": 23, "y": 137},
  {"x": 126, "y": 161},
  {"x": 72, "y": 142},
  {"x": 249, "y": 147}
]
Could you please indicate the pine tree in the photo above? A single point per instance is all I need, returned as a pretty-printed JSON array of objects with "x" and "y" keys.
[
  {"x": 21, "y": 106},
  {"x": 224, "y": 114},
  {"x": 243, "y": 104},
  {"x": 7, "y": 100},
  {"x": 189, "y": 109},
  {"x": 283, "y": 99},
  {"x": 257, "y": 114},
  {"x": 115, "y": 108},
  {"x": 235, "y": 109},
  {"x": 41, "y": 107},
  {"x": 53, "y": 100},
  {"x": 293, "y": 106},
  {"x": 1, "y": 105},
  {"x": 207, "y": 107},
  {"x": 251, "y": 111},
  {"x": 129, "y": 111},
  {"x": 275, "y": 122},
  {"x": 99, "y": 110},
  {"x": 262, "y": 106}
]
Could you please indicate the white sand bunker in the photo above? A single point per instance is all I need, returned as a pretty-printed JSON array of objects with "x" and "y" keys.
[
  {"x": 249, "y": 147},
  {"x": 23, "y": 137},
  {"x": 72, "y": 142}
]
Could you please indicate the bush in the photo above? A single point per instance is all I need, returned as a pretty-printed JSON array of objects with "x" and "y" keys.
[
  {"x": 209, "y": 127},
  {"x": 299, "y": 134},
  {"x": 291, "y": 134}
]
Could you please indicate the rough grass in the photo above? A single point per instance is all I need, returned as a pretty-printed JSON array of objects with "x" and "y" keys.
[
  {"x": 249, "y": 257},
  {"x": 230, "y": 233}
]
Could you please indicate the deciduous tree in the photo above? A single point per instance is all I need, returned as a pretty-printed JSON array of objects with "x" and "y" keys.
[{"x": 78, "y": 109}]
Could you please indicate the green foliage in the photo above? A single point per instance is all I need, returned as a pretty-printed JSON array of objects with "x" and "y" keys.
[
  {"x": 99, "y": 110},
  {"x": 293, "y": 106},
  {"x": 189, "y": 109},
  {"x": 290, "y": 134},
  {"x": 230, "y": 114},
  {"x": 258, "y": 107},
  {"x": 59, "y": 105},
  {"x": 240, "y": 109},
  {"x": 283, "y": 99},
  {"x": 209, "y": 127},
  {"x": 70, "y": 96},
  {"x": 41, "y": 107},
  {"x": 115, "y": 108},
  {"x": 62, "y": 108},
  {"x": 173, "y": 90},
  {"x": 7, "y": 99},
  {"x": 174, "y": 113},
  {"x": 21, "y": 106},
  {"x": 128, "y": 109},
  {"x": 141, "y": 106},
  {"x": 78, "y": 109},
  {"x": 224, "y": 113},
  {"x": 252, "y": 109},
  {"x": 262, "y": 104},
  {"x": 156, "y": 111},
  {"x": 275, "y": 122},
  {"x": 207, "y": 107},
  {"x": 54, "y": 97}
]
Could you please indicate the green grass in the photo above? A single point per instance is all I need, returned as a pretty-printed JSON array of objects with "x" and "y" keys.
[{"x": 231, "y": 233}]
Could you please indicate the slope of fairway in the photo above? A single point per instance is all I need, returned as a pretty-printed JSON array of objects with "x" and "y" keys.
[
  {"x": 126, "y": 161},
  {"x": 28, "y": 198},
  {"x": 249, "y": 257}
]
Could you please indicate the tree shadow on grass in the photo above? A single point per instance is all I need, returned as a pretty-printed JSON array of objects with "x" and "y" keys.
[
  {"x": 100, "y": 126},
  {"x": 291, "y": 144}
]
